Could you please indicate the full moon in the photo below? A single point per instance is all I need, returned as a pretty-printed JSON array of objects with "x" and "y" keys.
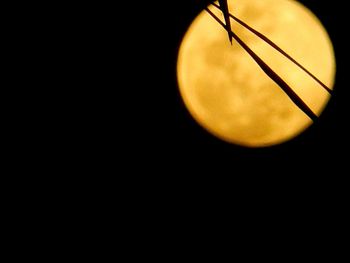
[{"x": 228, "y": 94}]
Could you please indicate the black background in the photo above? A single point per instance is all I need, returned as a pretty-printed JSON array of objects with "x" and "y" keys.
[
  {"x": 168, "y": 133},
  {"x": 110, "y": 134},
  {"x": 128, "y": 117},
  {"x": 181, "y": 170}
]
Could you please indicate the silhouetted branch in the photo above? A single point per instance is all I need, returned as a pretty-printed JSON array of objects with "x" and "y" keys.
[
  {"x": 272, "y": 74},
  {"x": 224, "y": 8},
  {"x": 268, "y": 41}
]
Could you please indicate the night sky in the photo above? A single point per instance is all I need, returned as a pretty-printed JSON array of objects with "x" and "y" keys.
[
  {"x": 120, "y": 153},
  {"x": 168, "y": 135},
  {"x": 139, "y": 155},
  {"x": 320, "y": 142}
]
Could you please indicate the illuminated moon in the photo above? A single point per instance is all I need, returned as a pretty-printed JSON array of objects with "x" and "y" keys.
[{"x": 227, "y": 93}]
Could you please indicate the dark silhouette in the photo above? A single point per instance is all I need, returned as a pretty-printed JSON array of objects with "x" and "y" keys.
[
  {"x": 268, "y": 41},
  {"x": 271, "y": 73},
  {"x": 225, "y": 11}
]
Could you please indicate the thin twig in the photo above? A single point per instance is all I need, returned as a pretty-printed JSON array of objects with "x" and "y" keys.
[
  {"x": 224, "y": 8},
  {"x": 268, "y": 41},
  {"x": 272, "y": 74}
]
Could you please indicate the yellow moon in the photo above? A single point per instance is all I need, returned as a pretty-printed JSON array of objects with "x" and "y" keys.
[{"x": 227, "y": 93}]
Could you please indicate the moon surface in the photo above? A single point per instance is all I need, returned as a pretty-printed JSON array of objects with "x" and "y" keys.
[{"x": 227, "y": 93}]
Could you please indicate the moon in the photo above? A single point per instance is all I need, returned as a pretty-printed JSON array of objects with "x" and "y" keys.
[{"x": 226, "y": 92}]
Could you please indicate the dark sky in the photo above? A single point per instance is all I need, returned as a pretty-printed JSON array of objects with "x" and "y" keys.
[
  {"x": 120, "y": 136},
  {"x": 154, "y": 159},
  {"x": 172, "y": 137}
]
